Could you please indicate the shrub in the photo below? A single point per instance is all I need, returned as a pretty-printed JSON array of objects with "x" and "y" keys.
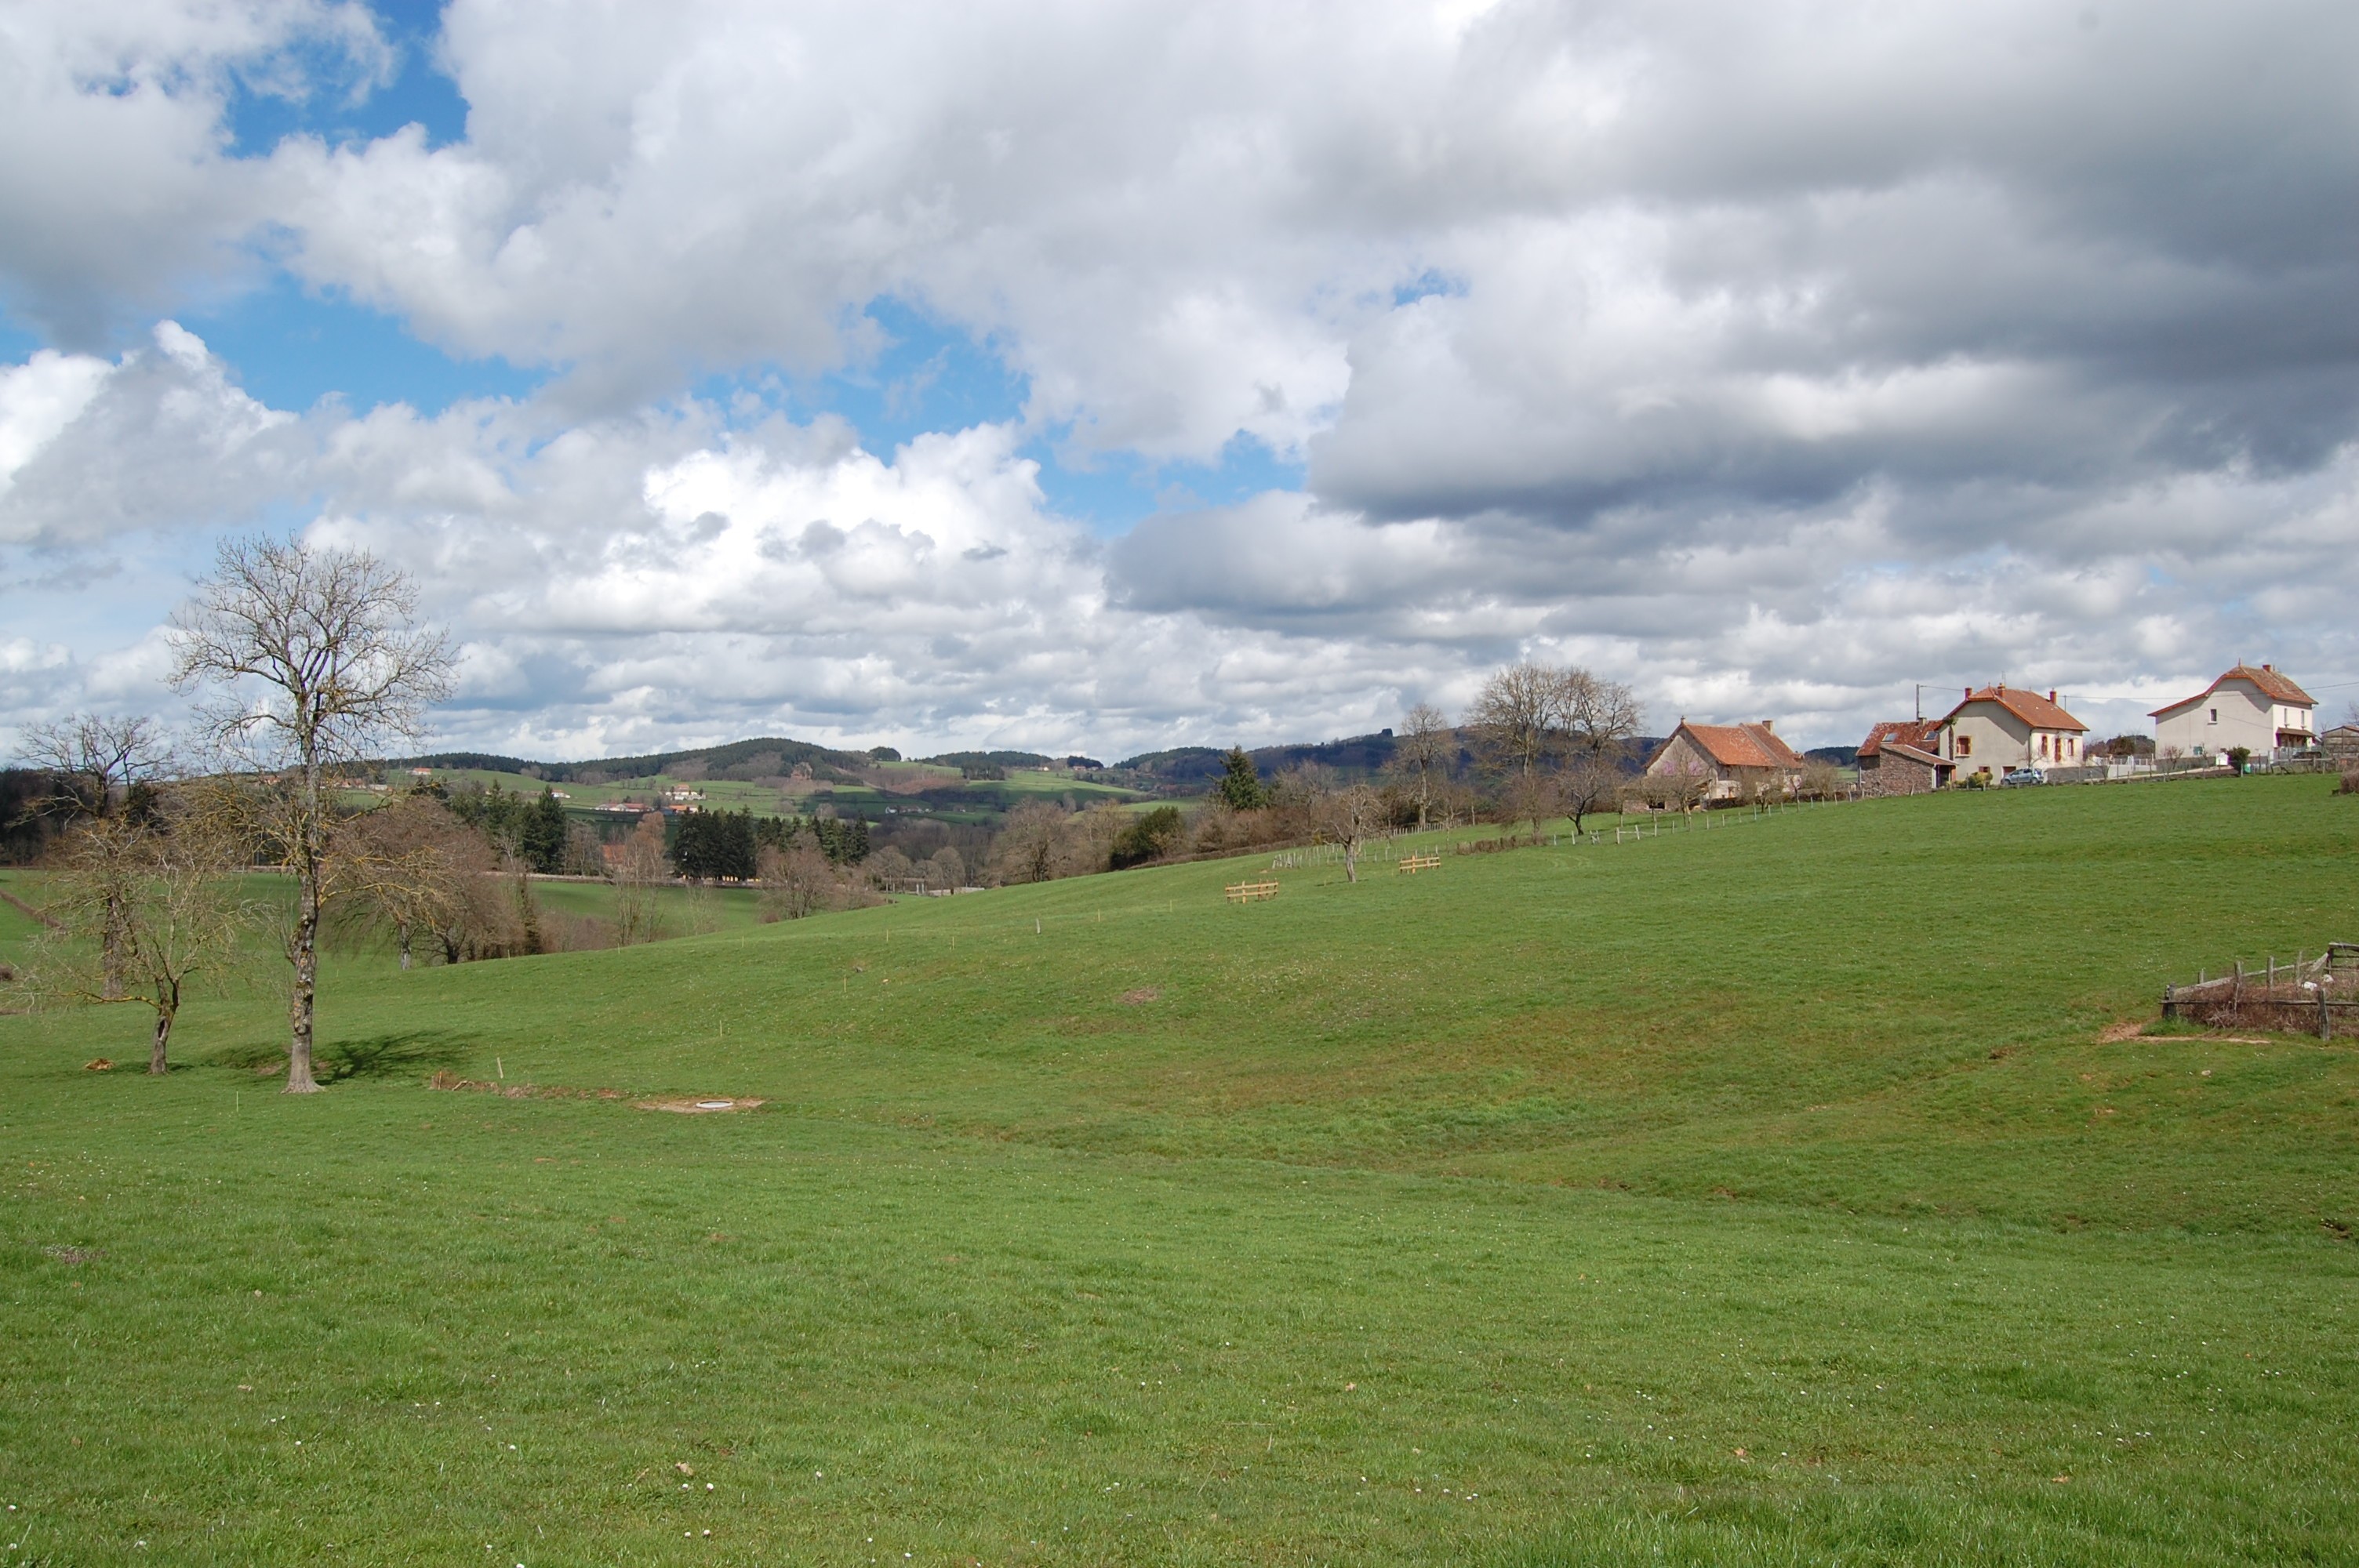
[
  {"x": 1153, "y": 834},
  {"x": 2350, "y": 782}
]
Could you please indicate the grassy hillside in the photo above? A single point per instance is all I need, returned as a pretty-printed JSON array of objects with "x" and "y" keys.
[{"x": 1760, "y": 1194}]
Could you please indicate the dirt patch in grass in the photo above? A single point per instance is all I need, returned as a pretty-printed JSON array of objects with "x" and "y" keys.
[
  {"x": 706, "y": 1107},
  {"x": 1143, "y": 995},
  {"x": 452, "y": 1083}
]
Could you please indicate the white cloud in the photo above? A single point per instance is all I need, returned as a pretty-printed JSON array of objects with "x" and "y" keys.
[
  {"x": 1769, "y": 355},
  {"x": 161, "y": 437}
]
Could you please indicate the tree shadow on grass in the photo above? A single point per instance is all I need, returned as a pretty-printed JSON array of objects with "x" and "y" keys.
[{"x": 376, "y": 1056}]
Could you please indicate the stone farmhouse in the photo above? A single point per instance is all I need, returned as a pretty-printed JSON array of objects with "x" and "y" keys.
[
  {"x": 2003, "y": 726},
  {"x": 1903, "y": 757},
  {"x": 1738, "y": 759},
  {"x": 2257, "y": 709}
]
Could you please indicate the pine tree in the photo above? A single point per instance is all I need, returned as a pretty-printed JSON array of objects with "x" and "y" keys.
[
  {"x": 540, "y": 834},
  {"x": 1240, "y": 787}
]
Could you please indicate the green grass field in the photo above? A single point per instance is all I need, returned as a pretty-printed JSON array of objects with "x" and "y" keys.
[{"x": 1760, "y": 1195}]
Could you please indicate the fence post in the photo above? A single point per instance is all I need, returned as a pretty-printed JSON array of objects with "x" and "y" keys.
[
  {"x": 2325, "y": 1019},
  {"x": 2170, "y": 1001}
]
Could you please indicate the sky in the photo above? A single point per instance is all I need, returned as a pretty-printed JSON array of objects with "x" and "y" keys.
[{"x": 1105, "y": 377}]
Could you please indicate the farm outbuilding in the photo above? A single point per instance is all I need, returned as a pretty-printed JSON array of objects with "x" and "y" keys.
[
  {"x": 1903, "y": 757},
  {"x": 1738, "y": 759}
]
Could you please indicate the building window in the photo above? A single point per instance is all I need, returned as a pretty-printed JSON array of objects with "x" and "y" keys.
[
  {"x": 2216, "y": 716},
  {"x": 1965, "y": 746}
]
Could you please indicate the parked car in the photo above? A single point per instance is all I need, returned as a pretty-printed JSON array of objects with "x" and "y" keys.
[{"x": 2024, "y": 776}]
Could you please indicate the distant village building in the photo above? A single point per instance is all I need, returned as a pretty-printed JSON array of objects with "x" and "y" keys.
[
  {"x": 1903, "y": 756},
  {"x": 1738, "y": 759},
  {"x": 2254, "y": 707},
  {"x": 2342, "y": 743},
  {"x": 2002, "y": 727}
]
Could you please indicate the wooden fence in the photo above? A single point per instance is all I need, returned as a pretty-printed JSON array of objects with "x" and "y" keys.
[
  {"x": 2307, "y": 995},
  {"x": 1250, "y": 893}
]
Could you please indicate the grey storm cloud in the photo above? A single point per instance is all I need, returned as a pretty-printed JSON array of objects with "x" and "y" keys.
[{"x": 1769, "y": 355}]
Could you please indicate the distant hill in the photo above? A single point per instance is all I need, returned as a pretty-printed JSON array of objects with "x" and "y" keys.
[
  {"x": 1179, "y": 771},
  {"x": 1187, "y": 770},
  {"x": 976, "y": 759},
  {"x": 755, "y": 758}
]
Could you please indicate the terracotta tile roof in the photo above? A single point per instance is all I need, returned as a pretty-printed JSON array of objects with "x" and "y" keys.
[
  {"x": 2039, "y": 712},
  {"x": 2272, "y": 684},
  {"x": 1919, "y": 732},
  {"x": 1916, "y": 753},
  {"x": 1743, "y": 745}
]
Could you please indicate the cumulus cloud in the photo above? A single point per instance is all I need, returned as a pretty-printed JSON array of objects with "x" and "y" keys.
[
  {"x": 90, "y": 449},
  {"x": 117, "y": 189},
  {"x": 1771, "y": 355}
]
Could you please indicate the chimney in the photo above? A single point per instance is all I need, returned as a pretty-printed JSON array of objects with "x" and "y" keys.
[
  {"x": 1970, "y": 694},
  {"x": 1771, "y": 725},
  {"x": 2051, "y": 694},
  {"x": 2271, "y": 668}
]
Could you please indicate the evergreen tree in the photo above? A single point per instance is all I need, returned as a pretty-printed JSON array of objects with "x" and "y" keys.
[
  {"x": 842, "y": 839},
  {"x": 712, "y": 845},
  {"x": 1240, "y": 787},
  {"x": 540, "y": 834}
]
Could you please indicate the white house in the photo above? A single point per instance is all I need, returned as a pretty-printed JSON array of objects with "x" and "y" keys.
[
  {"x": 2002, "y": 727},
  {"x": 2254, "y": 707}
]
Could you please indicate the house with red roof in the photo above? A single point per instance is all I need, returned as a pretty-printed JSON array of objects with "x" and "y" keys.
[
  {"x": 1903, "y": 756},
  {"x": 2252, "y": 706},
  {"x": 1733, "y": 760},
  {"x": 2001, "y": 727}
]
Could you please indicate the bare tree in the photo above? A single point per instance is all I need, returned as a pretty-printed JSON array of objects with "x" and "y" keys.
[
  {"x": 947, "y": 868},
  {"x": 102, "y": 766},
  {"x": 1599, "y": 714},
  {"x": 1530, "y": 716},
  {"x": 1589, "y": 785},
  {"x": 796, "y": 881},
  {"x": 101, "y": 761},
  {"x": 314, "y": 659},
  {"x": 1031, "y": 846},
  {"x": 1349, "y": 817},
  {"x": 1519, "y": 719},
  {"x": 149, "y": 896},
  {"x": 411, "y": 865},
  {"x": 1423, "y": 747},
  {"x": 637, "y": 872}
]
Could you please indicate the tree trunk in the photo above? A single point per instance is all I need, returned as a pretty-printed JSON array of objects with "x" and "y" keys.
[
  {"x": 306, "y": 955},
  {"x": 157, "y": 1066},
  {"x": 404, "y": 929},
  {"x": 1350, "y": 859},
  {"x": 305, "y": 949}
]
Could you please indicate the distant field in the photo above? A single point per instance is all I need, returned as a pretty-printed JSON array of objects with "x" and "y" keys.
[
  {"x": 1762, "y": 1194},
  {"x": 981, "y": 800}
]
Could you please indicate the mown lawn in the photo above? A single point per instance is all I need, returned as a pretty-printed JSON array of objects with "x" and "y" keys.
[{"x": 1755, "y": 1195}]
